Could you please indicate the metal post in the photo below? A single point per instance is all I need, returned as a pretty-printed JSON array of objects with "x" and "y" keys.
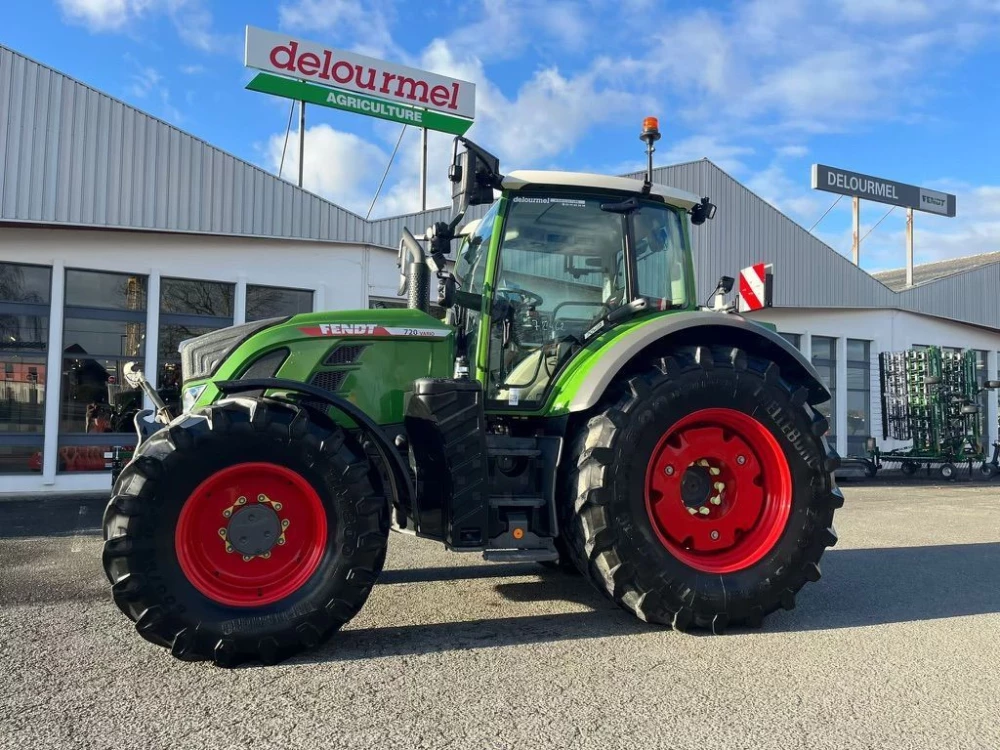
[
  {"x": 909, "y": 247},
  {"x": 423, "y": 169},
  {"x": 302, "y": 139},
  {"x": 856, "y": 245}
]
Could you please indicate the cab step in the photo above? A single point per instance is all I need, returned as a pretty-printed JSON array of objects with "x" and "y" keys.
[{"x": 520, "y": 555}]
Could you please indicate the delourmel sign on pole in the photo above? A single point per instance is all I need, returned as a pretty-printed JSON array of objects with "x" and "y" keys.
[
  {"x": 834, "y": 180},
  {"x": 314, "y": 62},
  {"x": 362, "y": 105}
]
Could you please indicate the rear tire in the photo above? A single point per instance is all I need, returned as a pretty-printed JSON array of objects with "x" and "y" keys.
[
  {"x": 173, "y": 568},
  {"x": 948, "y": 472},
  {"x": 613, "y": 519}
]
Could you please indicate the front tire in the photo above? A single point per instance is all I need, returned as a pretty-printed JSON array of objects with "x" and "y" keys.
[
  {"x": 738, "y": 526},
  {"x": 245, "y": 532}
]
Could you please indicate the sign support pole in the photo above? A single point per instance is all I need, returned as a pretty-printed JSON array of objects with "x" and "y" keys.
[
  {"x": 302, "y": 139},
  {"x": 856, "y": 244},
  {"x": 423, "y": 169},
  {"x": 909, "y": 247}
]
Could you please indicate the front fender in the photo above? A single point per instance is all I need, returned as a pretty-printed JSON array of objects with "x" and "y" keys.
[{"x": 690, "y": 329}]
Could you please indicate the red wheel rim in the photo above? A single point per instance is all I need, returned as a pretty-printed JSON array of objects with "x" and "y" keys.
[
  {"x": 286, "y": 521},
  {"x": 749, "y": 490}
]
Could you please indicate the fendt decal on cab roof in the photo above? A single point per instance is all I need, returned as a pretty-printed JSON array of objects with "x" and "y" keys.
[{"x": 372, "y": 330}]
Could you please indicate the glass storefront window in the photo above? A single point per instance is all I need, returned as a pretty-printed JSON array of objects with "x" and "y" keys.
[
  {"x": 24, "y": 333},
  {"x": 195, "y": 297},
  {"x": 795, "y": 339},
  {"x": 112, "y": 291},
  {"x": 272, "y": 302},
  {"x": 824, "y": 359},
  {"x": 104, "y": 327},
  {"x": 188, "y": 308},
  {"x": 858, "y": 395}
]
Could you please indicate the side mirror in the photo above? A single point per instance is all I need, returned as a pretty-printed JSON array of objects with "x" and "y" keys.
[{"x": 473, "y": 174}]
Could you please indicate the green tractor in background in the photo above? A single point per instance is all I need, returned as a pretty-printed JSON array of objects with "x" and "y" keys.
[{"x": 575, "y": 407}]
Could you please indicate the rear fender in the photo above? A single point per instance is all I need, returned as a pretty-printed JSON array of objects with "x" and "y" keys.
[{"x": 695, "y": 329}]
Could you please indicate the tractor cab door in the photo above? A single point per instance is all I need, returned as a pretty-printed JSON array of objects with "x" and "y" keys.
[{"x": 562, "y": 261}]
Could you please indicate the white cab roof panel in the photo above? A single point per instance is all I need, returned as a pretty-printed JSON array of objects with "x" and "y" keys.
[{"x": 522, "y": 178}]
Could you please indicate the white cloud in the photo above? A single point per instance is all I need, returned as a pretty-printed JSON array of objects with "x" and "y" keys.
[
  {"x": 361, "y": 26},
  {"x": 884, "y": 11},
  {"x": 792, "y": 151},
  {"x": 191, "y": 19},
  {"x": 103, "y": 15},
  {"x": 145, "y": 80},
  {"x": 339, "y": 166},
  {"x": 724, "y": 154}
]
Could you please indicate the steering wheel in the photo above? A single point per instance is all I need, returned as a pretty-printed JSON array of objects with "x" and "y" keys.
[{"x": 527, "y": 298}]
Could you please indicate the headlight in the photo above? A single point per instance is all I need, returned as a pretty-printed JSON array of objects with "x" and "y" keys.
[
  {"x": 201, "y": 356},
  {"x": 190, "y": 396}
]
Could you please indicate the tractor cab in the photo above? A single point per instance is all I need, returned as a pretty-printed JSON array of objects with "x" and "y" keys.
[{"x": 557, "y": 261}]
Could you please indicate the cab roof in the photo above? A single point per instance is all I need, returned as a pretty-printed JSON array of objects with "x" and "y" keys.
[{"x": 523, "y": 178}]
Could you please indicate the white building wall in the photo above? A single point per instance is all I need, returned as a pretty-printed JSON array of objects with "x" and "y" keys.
[
  {"x": 888, "y": 330},
  {"x": 341, "y": 275}
]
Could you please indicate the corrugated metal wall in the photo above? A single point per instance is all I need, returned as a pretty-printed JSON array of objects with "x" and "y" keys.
[{"x": 71, "y": 154}]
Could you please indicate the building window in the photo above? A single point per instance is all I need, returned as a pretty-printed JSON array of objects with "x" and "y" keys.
[
  {"x": 859, "y": 403},
  {"x": 982, "y": 375},
  {"x": 795, "y": 339},
  {"x": 824, "y": 359},
  {"x": 104, "y": 326},
  {"x": 273, "y": 302},
  {"x": 188, "y": 308},
  {"x": 24, "y": 333}
]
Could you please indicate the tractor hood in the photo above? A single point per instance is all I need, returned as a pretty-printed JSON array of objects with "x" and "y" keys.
[{"x": 370, "y": 357}]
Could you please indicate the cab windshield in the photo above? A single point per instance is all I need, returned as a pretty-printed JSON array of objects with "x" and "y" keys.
[{"x": 563, "y": 267}]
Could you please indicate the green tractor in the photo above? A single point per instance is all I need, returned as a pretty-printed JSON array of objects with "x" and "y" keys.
[{"x": 575, "y": 407}]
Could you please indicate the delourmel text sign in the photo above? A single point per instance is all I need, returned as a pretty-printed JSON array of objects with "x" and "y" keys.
[
  {"x": 834, "y": 180},
  {"x": 362, "y": 105},
  {"x": 319, "y": 64}
]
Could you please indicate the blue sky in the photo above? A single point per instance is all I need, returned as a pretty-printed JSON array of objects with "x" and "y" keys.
[{"x": 906, "y": 89}]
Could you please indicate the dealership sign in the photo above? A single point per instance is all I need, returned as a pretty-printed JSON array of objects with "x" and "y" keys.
[
  {"x": 362, "y": 105},
  {"x": 316, "y": 63},
  {"x": 834, "y": 180}
]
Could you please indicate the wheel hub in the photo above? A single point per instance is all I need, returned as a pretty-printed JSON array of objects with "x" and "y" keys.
[
  {"x": 251, "y": 534},
  {"x": 253, "y": 530},
  {"x": 718, "y": 490},
  {"x": 696, "y": 486}
]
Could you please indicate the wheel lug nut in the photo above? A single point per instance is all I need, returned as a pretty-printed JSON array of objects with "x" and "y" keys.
[
  {"x": 669, "y": 471},
  {"x": 716, "y": 500},
  {"x": 704, "y": 510},
  {"x": 714, "y": 471},
  {"x": 741, "y": 460},
  {"x": 714, "y": 535},
  {"x": 720, "y": 486},
  {"x": 692, "y": 511}
]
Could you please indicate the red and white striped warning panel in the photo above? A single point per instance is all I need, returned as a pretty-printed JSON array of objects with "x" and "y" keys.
[{"x": 755, "y": 291}]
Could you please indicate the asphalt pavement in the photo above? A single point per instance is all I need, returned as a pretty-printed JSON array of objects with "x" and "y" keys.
[{"x": 896, "y": 647}]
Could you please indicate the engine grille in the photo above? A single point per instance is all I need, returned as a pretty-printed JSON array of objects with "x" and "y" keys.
[
  {"x": 330, "y": 380},
  {"x": 345, "y": 354}
]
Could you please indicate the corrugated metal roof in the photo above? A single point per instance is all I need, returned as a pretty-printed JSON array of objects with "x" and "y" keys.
[
  {"x": 896, "y": 278},
  {"x": 73, "y": 155}
]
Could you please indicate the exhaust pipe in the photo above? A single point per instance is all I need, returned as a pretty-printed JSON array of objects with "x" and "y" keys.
[{"x": 417, "y": 278}]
